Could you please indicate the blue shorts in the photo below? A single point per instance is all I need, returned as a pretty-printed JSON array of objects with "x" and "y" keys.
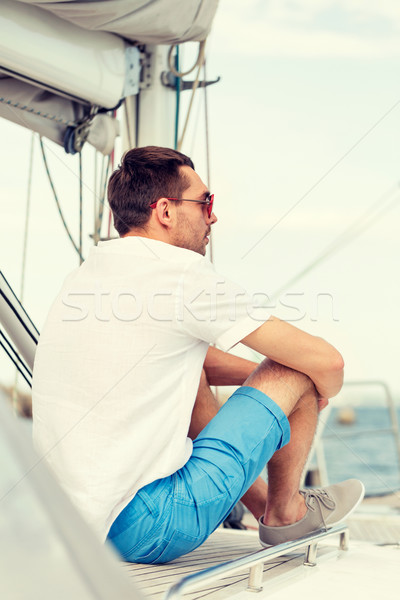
[{"x": 174, "y": 515}]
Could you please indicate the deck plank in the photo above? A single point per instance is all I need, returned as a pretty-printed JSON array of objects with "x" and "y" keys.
[{"x": 222, "y": 546}]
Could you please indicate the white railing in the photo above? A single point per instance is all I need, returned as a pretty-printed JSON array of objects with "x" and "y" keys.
[{"x": 255, "y": 563}]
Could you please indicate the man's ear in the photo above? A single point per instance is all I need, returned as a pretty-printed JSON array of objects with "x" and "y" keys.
[{"x": 163, "y": 210}]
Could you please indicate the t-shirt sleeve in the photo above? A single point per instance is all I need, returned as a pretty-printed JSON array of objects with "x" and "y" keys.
[{"x": 214, "y": 309}]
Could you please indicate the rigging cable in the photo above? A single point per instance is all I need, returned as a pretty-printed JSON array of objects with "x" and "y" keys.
[
  {"x": 80, "y": 207},
  {"x": 207, "y": 143},
  {"x": 16, "y": 360},
  {"x": 103, "y": 187},
  {"x": 99, "y": 218},
  {"x": 196, "y": 121},
  {"x": 199, "y": 64},
  {"x": 56, "y": 199},
  {"x": 24, "y": 255},
  {"x": 27, "y": 216},
  {"x": 8, "y": 295},
  {"x": 349, "y": 234},
  {"x": 112, "y": 159},
  {"x": 358, "y": 226},
  {"x": 127, "y": 123},
  {"x": 178, "y": 98},
  {"x": 96, "y": 200},
  {"x": 325, "y": 174},
  {"x": 195, "y": 85},
  {"x": 95, "y": 192},
  {"x": 112, "y": 163}
]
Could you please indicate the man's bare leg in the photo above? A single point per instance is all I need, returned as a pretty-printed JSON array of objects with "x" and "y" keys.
[
  {"x": 295, "y": 393},
  {"x": 205, "y": 408},
  {"x": 297, "y": 396},
  {"x": 280, "y": 501},
  {"x": 285, "y": 505}
]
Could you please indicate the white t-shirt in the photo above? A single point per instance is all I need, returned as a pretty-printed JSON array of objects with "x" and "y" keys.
[{"x": 118, "y": 366}]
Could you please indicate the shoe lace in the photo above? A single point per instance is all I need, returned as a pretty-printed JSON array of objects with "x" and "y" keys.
[{"x": 321, "y": 497}]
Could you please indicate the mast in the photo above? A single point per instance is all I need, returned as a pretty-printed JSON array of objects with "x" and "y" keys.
[{"x": 149, "y": 115}]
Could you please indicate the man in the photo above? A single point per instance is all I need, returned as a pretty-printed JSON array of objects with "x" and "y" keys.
[{"x": 123, "y": 373}]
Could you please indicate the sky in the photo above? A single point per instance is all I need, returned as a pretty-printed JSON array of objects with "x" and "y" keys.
[{"x": 304, "y": 143}]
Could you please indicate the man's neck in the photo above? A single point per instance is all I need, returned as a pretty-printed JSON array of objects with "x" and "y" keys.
[{"x": 150, "y": 235}]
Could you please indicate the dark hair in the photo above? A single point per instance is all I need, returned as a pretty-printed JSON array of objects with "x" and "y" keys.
[{"x": 144, "y": 175}]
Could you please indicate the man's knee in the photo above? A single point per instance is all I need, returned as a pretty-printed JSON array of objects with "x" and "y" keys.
[{"x": 282, "y": 384}]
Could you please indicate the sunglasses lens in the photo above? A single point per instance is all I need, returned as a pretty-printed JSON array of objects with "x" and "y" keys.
[{"x": 210, "y": 206}]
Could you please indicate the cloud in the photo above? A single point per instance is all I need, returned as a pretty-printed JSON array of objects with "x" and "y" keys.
[{"x": 309, "y": 28}]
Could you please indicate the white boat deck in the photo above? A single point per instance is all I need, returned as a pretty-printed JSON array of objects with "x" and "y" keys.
[
  {"x": 345, "y": 574},
  {"x": 222, "y": 546}
]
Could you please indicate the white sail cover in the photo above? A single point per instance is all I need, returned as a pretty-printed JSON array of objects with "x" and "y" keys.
[
  {"x": 141, "y": 21},
  {"x": 59, "y": 57}
]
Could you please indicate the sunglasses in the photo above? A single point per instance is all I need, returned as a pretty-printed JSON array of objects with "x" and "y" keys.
[{"x": 209, "y": 201}]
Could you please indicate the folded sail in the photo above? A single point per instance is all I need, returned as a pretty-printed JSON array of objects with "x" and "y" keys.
[
  {"x": 141, "y": 21},
  {"x": 59, "y": 59}
]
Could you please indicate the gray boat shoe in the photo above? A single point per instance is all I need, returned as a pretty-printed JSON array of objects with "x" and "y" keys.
[{"x": 326, "y": 507}]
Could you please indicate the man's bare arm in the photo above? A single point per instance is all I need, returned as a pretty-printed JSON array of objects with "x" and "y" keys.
[
  {"x": 226, "y": 369},
  {"x": 311, "y": 355}
]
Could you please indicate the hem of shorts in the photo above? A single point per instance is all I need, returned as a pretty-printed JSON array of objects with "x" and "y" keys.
[{"x": 271, "y": 406}]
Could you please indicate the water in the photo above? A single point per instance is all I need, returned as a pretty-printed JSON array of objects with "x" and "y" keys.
[{"x": 371, "y": 458}]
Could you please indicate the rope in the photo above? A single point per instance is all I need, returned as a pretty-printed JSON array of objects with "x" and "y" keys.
[
  {"x": 198, "y": 63},
  {"x": 56, "y": 199},
  {"x": 195, "y": 86},
  {"x": 38, "y": 113}
]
